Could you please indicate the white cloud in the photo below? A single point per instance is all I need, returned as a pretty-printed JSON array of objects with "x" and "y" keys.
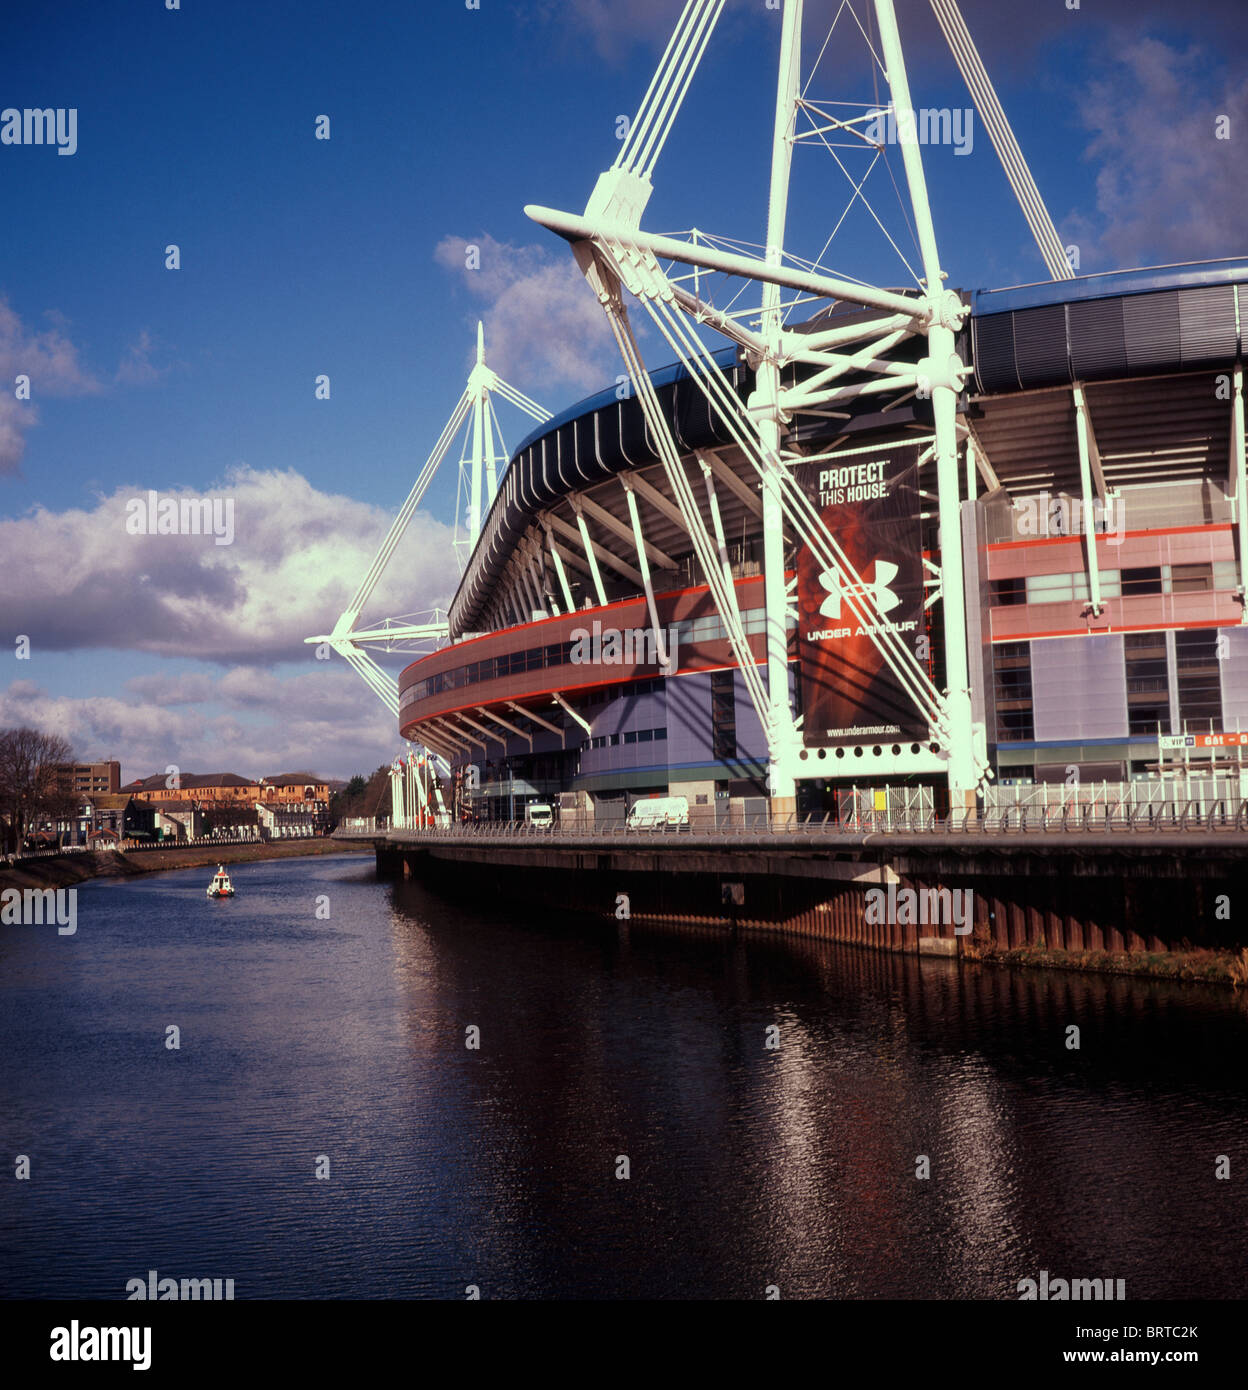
[
  {"x": 136, "y": 367},
  {"x": 544, "y": 330},
  {"x": 50, "y": 360},
  {"x": 77, "y": 579},
  {"x": 257, "y": 724},
  {"x": 1168, "y": 189}
]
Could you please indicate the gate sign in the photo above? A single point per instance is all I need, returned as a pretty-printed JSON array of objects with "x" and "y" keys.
[
  {"x": 870, "y": 504},
  {"x": 1169, "y": 743}
]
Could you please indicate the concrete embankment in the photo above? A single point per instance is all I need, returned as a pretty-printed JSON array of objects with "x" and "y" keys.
[
  {"x": 62, "y": 871},
  {"x": 1135, "y": 904}
]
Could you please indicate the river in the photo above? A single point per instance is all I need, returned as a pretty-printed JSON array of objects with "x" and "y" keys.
[{"x": 339, "y": 1041}]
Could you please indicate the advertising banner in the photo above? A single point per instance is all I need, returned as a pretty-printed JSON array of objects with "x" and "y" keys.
[{"x": 870, "y": 503}]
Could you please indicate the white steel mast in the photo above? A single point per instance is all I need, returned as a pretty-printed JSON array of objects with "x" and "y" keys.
[{"x": 615, "y": 254}]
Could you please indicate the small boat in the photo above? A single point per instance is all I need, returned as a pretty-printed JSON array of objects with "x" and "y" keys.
[{"x": 220, "y": 887}]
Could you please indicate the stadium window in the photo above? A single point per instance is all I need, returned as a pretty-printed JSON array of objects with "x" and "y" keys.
[
  {"x": 1005, "y": 592},
  {"x": 1011, "y": 681},
  {"x": 1225, "y": 574},
  {"x": 1050, "y": 588},
  {"x": 1190, "y": 579},
  {"x": 1148, "y": 682},
  {"x": 1199, "y": 680},
  {"x": 723, "y": 715},
  {"x": 1145, "y": 580}
]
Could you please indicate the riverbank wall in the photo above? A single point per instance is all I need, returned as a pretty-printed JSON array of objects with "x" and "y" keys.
[{"x": 1117, "y": 904}]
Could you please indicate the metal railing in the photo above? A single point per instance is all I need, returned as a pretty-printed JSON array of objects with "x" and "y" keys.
[
  {"x": 997, "y": 823},
  {"x": 128, "y": 846}
]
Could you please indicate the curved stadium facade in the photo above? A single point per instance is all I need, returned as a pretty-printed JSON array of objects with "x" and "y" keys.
[{"x": 1103, "y": 523}]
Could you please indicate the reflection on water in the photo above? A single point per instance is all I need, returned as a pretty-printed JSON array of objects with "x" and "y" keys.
[{"x": 749, "y": 1166}]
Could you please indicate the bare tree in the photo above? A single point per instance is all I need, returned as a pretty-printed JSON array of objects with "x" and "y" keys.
[{"x": 32, "y": 780}]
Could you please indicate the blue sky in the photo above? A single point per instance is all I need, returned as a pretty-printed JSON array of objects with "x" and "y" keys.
[{"x": 343, "y": 256}]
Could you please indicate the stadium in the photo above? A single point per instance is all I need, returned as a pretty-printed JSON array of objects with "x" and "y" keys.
[
  {"x": 1084, "y": 652},
  {"x": 888, "y": 548}
]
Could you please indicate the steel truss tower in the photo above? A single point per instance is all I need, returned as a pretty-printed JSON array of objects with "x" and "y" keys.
[{"x": 615, "y": 255}]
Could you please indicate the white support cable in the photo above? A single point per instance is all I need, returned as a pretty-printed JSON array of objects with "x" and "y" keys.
[
  {"x": 519, "y": 399},
  {"x": 892, "y": 381},
  {"x": 806, "y": 521},
  {"x": 611, "y": 250},
  {"x": 802, "y": 514},
  {"x": 984, "y": 95},
  {"x": 648, "y": 153},
  {"x": 435, "y": 746},
  {"x": 682, "y": 492},
  {"x": 658, "y": 83},
  {"x": 378, "y": 681},
  {"x": 701, "y": 312},
  {"x": 458, "y": 416},
  {"x": 712, "y": 501},
  {"x": 661, "y": 104}
]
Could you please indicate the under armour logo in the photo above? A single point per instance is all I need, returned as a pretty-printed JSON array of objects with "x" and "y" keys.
[{"x": 884, "y": 599}]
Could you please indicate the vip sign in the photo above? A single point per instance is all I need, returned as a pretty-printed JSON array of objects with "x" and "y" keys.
[{"x": 871, "y": 506}]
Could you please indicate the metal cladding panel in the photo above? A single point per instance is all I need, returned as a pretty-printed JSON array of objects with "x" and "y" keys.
[
  {"x": 1097, "y": 341},
  {"x": 1152, "y": 330},
  {"x": 550, "y": 466},
  {"x": 689, "y": 719},
  {"x": 993, "y": 338},
  {"x": 751, "y": 740},
  {"x": 1079, "y": 688},
  {"x": 1113, "y": 284},
  {"x": 1207, "y": 330},
  {"x": 524, "y": 473},
  {"x": 736, "y": 378},
  {"x": 1040, "y": 346},
  {"x": 634, "y": 433},
  {"x": 1235, "y": 678},
  {"x": 565, "y": 458},
  {"x": 692, "y": 414}
]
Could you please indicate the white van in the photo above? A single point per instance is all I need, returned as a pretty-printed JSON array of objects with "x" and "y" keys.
[
  {"x": 656, "y": 811},
  {"x": 540, "y": 814}
]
